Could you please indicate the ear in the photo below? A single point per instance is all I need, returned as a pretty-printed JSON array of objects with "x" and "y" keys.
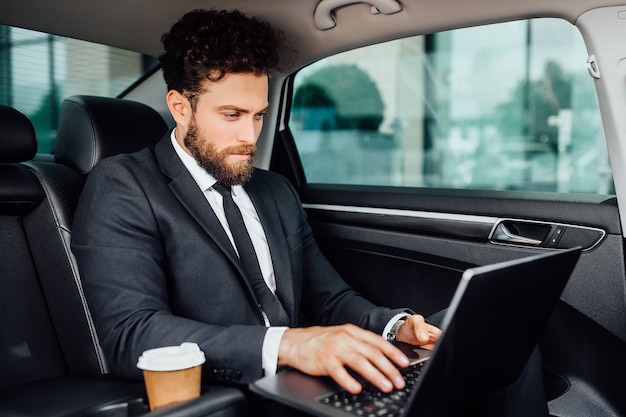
[{"x": 180, "y": 108}]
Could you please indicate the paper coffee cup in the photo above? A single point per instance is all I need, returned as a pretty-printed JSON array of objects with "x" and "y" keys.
[{"x": 172, "y": 374}]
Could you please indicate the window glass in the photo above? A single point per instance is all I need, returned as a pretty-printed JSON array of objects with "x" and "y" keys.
[
  {"x": 38, "y": 70},
  {"x": 500, "y": 107}
]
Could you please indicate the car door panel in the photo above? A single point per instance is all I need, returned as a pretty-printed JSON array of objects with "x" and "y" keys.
[{"x": 452, "y": 241}]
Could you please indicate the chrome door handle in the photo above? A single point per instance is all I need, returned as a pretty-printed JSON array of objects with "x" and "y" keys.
[{"x": 503, "y": 234}]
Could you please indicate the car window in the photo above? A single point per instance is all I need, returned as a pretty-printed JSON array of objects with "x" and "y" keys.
[
  {"x": 38, "y": 70},
  {"x": 508, "y": 106}
]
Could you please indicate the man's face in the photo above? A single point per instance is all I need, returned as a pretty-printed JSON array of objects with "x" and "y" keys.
[{"x": 225, "y": 126}]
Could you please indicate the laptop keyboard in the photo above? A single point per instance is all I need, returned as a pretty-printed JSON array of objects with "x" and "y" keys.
[{"x": 371, "y": 402}]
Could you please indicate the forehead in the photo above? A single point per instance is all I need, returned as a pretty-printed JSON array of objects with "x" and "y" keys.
[{"x": 240, "y": 90}]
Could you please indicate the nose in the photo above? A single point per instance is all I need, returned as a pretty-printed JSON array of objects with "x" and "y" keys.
[{"x": 250, "y": 130}]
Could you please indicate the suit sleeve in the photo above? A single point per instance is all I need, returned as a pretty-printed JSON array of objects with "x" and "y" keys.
[{"x": 119, "y": 249}]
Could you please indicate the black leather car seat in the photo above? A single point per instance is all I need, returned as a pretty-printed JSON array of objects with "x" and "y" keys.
[
  {"x": 27, "y": 352},
  {"x": 85, "y": 126},
  {"x": 50, "y": 357},
  {"x": 92, "y": 128}
]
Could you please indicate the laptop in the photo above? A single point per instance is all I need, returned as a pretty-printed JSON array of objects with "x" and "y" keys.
[{"x": 510, "y": 302}]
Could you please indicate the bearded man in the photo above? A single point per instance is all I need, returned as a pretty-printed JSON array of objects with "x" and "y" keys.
[{"x": 162, "y": 258}]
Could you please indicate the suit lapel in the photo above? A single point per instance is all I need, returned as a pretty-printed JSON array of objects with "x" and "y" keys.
[{"x": 192, "y": 198}]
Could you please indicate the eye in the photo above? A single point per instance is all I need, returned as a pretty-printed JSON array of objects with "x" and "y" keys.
[{"x": 231, "y": 116}]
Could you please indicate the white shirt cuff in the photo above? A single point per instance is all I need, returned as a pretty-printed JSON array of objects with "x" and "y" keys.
[
  {"x": 393, "y": 321},
  {"x": 271, "y": 343}
]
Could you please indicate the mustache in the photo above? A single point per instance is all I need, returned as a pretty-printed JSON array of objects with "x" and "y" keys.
[{"x": 240, "y": 149}]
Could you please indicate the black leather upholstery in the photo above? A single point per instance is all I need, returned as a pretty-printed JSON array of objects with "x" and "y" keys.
[
  {"x": 90, "y": 128},
  {"x": 17, "y": 136},
  {"x": 109, "y": 396},
  {"x": 19, "y": 189},
  {"x": 70, "y": 395},
  {"x": 86, "y": 121},
  {"x": 50, "y": 359},
  {"x": 29, "y": 349}
]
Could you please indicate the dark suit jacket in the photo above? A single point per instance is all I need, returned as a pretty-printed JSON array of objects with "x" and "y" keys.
[{"x": 158, "y": 269}]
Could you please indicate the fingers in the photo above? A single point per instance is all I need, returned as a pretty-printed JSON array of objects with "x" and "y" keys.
[
  {"x": 341, "y": 376},
  {"x": 374, "y": 360},
  {"x": 332, "y": 350},
  {"x": 416, "y": 331},
  {"x": 382, "y": 373}
]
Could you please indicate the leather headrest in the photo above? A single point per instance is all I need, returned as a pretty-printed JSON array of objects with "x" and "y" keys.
[
  {"x": 18, "y": 141},
  {"x": 92, "y": 128}
]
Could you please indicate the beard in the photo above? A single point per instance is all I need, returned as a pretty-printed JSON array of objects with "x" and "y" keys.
[{"x": 215, "y": 162}]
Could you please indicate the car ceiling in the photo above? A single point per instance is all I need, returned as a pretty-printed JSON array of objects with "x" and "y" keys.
[{"x": 138, "y": 24}]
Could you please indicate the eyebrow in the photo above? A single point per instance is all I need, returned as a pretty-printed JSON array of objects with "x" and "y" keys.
[{"x": 240, "y": 109}]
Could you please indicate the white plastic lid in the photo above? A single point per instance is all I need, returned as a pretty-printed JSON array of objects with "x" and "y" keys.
[{"x": 171, "y": 358}]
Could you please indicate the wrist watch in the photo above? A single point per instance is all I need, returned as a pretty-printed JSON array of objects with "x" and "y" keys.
[{"x": 391, "y": 336}]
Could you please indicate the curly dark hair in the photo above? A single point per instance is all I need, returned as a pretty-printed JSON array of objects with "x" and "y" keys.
[{"x": 208, "y": 44}]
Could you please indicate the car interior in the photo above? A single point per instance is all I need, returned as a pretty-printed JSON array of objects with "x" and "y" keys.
[{"x": 423, "y": 138}]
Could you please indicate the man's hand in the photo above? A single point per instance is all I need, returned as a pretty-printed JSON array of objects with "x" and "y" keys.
[
  {"x": 415, "y": 331},
  {"x": 329, "y": 350}
]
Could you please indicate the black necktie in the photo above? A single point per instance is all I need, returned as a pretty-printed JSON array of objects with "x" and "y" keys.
[{"x": 269, "y": 303}]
